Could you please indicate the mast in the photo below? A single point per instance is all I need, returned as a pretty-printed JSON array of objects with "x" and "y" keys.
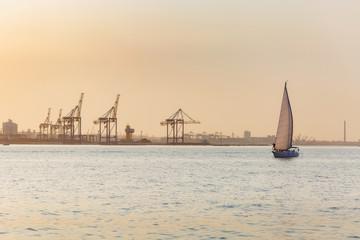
[{"x": 344, "y": 131}]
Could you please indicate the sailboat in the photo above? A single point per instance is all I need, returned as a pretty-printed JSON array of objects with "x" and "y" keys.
[{"x": 282, "y": 148}]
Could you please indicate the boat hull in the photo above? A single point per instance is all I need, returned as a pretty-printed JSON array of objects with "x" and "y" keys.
[{"x": 286, "y": 154}]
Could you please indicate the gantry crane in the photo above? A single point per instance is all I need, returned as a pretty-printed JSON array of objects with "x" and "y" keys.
[
  {"x": 72, "y": 124},
  {"x": 175, "y": 126},
  {"x": 44, "y": 127},
  {"x": 108, "y": 124},
  {"x": 56, "y": 129}
]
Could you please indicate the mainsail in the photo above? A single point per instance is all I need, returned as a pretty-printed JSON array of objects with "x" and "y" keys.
[{"x": 284, "y": 133}]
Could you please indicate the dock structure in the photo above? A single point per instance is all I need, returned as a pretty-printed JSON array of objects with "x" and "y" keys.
[
  {"x": 108, "y": 125},
  {"x": 72, "y": 124},
  {"x": 175, "y": 127}
]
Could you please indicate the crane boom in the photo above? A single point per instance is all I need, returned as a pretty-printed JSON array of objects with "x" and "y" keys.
[
  {"x": 179, "y": 116},
  {"x": 59, "y": 120},
  {"x": 109, "y": 114},
  {"x": 78, "y": 114},
  {"x": 47, "y": 120},
  {"x": 115, "y": 106}
]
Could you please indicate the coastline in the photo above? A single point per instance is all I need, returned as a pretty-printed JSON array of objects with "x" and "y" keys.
[{"x": 138, "y": 143}]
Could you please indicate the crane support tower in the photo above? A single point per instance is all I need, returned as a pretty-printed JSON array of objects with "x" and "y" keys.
[
  {"x": 175, "y": 127},
  {"x": 44, "y": 127},
  {"x": 56, "y": 129},
  {"x": 72, "y": 124},
  {"x": 108, "y": 124}
]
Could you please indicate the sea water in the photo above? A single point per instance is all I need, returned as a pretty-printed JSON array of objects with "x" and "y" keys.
[{"x": 178, "y": 192}]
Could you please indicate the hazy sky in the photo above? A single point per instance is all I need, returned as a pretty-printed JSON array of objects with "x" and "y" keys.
[{"x": 223, "y": 62}]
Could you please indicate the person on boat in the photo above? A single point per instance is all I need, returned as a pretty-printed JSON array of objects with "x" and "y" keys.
[{"x": 273, "y": 146}]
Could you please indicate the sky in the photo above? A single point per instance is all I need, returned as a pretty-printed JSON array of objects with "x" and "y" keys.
[{"x": 224, "y": 62}]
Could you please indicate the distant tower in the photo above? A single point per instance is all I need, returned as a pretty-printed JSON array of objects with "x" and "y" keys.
[
  {"x": 247, "y": 134},
  {"x": 344, "y": 131},
  {"x": 129, "y": 131}
]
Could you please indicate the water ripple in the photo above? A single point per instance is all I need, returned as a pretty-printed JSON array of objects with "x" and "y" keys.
[{"x": 171, "y": 192}]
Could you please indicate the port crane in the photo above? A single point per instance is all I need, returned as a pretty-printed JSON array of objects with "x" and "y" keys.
[
  {"x": 108, "y": 124},
  {"x": 175, "y": 126},
  {"x": 72, "y": 124},
  {"x": 44, "y": 127},
  {"x": 56, "y": 129}
]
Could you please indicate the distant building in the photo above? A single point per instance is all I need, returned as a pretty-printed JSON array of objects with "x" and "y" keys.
[
  {"x": 10, "y": 128},
  {"x": 247, "y": 134}
]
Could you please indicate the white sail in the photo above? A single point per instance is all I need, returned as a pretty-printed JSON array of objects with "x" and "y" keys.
[{"x": 284, "y": 133}]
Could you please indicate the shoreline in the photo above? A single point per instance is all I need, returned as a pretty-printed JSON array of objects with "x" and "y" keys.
[{"x": 338, "y": 144}]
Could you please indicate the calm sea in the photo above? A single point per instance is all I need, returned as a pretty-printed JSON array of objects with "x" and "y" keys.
[{"x": 181, "y": 192}]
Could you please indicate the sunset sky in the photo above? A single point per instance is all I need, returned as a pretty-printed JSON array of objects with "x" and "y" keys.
[{"x": 223, "y": 62}]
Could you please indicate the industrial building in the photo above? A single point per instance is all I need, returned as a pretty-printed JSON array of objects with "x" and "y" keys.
[{"x": 10, "y": 128}]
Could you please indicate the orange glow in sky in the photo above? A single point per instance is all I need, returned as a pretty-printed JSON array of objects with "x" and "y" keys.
[{"x": 223, "y": 62}]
